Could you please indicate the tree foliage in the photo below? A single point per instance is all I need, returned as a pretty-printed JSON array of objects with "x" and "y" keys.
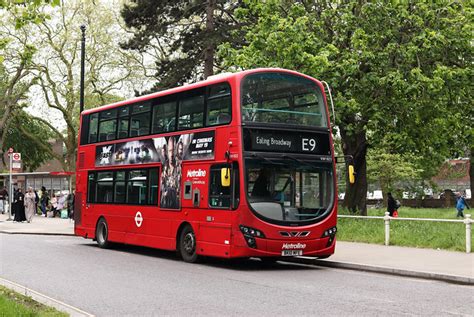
[
  {"x": 398, "y": 71},
  {"x": 182, "y": 36},
  {"x": 109, "y": 69},
  {"x": 23, "y": 136},
  {"x": 389, "y": 170}
]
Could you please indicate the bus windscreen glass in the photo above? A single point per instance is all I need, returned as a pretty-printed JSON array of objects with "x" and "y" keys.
[
  {"x": 282, "y": 98},
  {"x": 289, "y": 190}
]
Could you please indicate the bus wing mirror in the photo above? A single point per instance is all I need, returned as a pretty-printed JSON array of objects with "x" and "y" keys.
[
  {"x": 225, "y": 177},
  {"x": 351, "y": 174}
]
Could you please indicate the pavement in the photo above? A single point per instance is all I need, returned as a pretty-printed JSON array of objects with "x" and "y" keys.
[{"x": 449, "y": 266}]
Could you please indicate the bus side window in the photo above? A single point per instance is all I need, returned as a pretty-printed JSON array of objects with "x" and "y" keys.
[
  {"x": 93, "y": 125},
  {"x": 120, "y": 192},
  {"x": 105, "y": 189},
  {"x": 137, "y": 187},
  {"x": 164, "y": 117},
  {"x": 123, "y": 122},
  {"x": 191, "y": 112},
  {"x": 108, "y": 125},
  {"x": 219, "y": 196},
  {"x": 140, "y": 119},
  {"x": 91, "y": 187},
  {"x": 219, "y": 105},
  {"x": 153, "y": 186}
]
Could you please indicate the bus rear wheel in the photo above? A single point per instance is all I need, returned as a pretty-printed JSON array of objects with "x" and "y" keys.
[
  {"x": 102, "y": 234},
  {"x": 187, "y": 245}
]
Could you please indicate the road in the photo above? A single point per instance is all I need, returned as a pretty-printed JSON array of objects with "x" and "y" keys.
[{"x": 138, "y": 281}]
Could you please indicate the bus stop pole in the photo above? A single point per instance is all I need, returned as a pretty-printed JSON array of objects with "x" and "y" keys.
[{"x": 10, "y": 191}]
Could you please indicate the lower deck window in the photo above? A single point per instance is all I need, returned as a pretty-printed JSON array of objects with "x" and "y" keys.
[{"x": 138, "y": 187}]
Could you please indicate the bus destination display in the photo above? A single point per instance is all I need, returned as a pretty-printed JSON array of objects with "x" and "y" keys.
[{"x": 286, "y": 141}]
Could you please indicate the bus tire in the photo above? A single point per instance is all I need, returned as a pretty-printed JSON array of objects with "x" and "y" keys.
[
  {"x": 102, "y": 234},
  {"x": 187, "y": 245}
]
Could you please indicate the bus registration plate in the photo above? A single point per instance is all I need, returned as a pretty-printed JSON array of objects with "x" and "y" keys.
[{"x": 291, "y": 252}]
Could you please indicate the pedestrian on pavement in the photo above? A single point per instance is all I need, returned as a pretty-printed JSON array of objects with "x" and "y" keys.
[
  {"x": 391, "y": 204},
  {"x": 461, "y": 203},
  {"x": 30, "y": 204},
  {"x": 3, "y": 197},
  {"x": 61, "y": 203},
  {"x": 54, "y": 204},
  {"x": 36, "y": 201},
  {"x": 19, "y": 206},
  {"x": 44, "y": 200},
  {"x": 70, "y": 205}
]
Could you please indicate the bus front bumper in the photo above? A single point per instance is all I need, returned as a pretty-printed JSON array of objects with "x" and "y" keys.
[{"x": 321, "y": 247}]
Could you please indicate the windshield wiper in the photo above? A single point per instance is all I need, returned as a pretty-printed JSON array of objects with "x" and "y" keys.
[
  {"x": 297, "y": 160},
  {"x": 266, "y": 159}
]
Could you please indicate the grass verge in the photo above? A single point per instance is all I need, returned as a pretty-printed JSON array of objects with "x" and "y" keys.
[
  {"x": 15, "y": 304},
  {"x": 420, "y": 234}
]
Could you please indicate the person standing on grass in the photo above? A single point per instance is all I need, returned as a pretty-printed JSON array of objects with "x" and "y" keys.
[
  {"x": 30, "y": 204},
  {"x": 391, "y": 204},
  {"x": 461, "y": 203}
]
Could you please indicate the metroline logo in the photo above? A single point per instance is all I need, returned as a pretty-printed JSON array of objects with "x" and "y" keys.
[
  {"x": 289, "y": 246},
  {"x": 196, "y": 173}
]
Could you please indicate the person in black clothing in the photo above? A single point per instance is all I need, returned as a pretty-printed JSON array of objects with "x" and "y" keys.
[
  {"x": 70, "y": 205},
  {"x": 3, "y": 197},
  {"x": 391, "y": 204},
  {"x": 19, "y": 206},
  {"x": 260, "y": 187},
  {"x": 36, "y": 201},
  {"x": 44, "y": 201}
]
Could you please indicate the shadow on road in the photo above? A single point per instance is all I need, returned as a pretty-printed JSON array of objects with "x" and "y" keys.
[{"x": 240, "y": 264}]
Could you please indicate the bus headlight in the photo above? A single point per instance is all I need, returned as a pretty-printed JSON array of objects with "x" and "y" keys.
[
  {"x": 250, "y": 234},
  {"x": 331, "y": 233},
  {"x": 248, "y": 231}
]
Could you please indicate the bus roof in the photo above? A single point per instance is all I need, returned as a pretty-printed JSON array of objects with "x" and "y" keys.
[{"x": 209, "y": 81}]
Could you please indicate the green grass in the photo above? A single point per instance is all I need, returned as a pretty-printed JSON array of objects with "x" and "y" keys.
[
  {"x": 15, "y": 304},
  {"x": 420, "y": 234}
]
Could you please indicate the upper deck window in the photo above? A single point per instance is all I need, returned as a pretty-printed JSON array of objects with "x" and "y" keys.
[
  {"x": 219, "y": 105},
  {"x": 191, "y": 112},
  {"x": 191, "y": 109},
  {"x": 282, "y": 98},
  {"x": 164, "y": 117}
]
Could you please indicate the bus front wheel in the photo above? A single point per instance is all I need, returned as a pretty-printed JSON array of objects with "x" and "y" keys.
[
  {"x": 187, "y": 245},
  {"x": 102, "y": 234}
]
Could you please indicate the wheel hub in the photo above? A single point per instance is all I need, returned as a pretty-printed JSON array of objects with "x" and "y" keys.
[{"x": 189, "y": 243}]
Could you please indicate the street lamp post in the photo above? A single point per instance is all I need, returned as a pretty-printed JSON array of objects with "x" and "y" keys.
[
  {"x": 83, "y": 57},
  {"x": 10, "y": 186}
]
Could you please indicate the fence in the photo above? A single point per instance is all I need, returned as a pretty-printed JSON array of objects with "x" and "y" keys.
[
  {"x": 447, "y": 202},
  {"x": 467, "y": 221}
]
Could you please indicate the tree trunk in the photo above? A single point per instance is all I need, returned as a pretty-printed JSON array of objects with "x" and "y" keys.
[
  {"x": 210, "y": 47},
  {"x": 356, "y": 194}
]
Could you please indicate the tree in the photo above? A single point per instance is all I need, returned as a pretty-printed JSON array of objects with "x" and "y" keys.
[
  {"x": 109, "y": 69},
  {"x": 23, "y": 138},
  {"x": 181, "y": 35},
  {"x": 15, "y": 80},
  {"x": 390, "y": 169},
  {"x": 395, "y": 70},
  {"x": 15, "y": 60}
]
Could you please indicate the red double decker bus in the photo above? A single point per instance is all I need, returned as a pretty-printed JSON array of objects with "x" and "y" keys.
[{"x": 239, "y": 165}]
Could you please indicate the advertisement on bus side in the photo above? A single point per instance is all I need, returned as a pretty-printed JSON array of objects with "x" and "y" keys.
[{"x": 169, "y": 151}]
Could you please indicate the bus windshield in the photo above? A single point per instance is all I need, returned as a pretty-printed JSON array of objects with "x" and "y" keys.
[
  {"x": 282, "y": 98},
  {"x": 289, "y": 190}
]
